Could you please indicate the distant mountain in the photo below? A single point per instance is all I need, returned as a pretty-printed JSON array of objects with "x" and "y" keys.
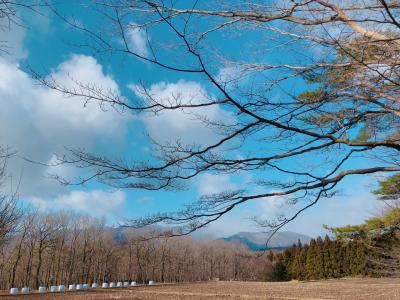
[
  {"x": 120, "y": 233},
  {"x": 256, "y": 240}
]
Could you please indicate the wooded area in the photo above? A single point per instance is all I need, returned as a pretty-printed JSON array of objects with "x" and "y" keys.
[
  {"x": 42, "y": 249},
  {"x": 368, "y": 249},
  {"x": 64, "y": 248},
  {"x": 321, "y": 259},
  {"x": 295, "y": 126}
]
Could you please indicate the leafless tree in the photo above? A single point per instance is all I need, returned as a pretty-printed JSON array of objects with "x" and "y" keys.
[
  {"x": 26, "y": 226},
  {"x": 48, "y": 245},
  {"x": 327, "y": 107},
  {"x": 10, "y": 16},
  {"x": 9, "y": 211}
]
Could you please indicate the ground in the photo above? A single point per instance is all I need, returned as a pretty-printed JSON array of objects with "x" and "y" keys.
[{"x": 311, "y": 290}]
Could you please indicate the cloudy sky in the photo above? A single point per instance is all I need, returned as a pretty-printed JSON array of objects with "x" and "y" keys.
[{"x": 40, "y": 124}]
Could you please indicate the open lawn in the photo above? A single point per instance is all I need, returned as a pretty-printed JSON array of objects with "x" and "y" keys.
[{"x": 330, "y": 289}]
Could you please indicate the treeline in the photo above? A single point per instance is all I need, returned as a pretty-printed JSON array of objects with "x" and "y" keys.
[
  {"x": 64, "y": 248},
  {"x": 321, "y": 259},
  {"x": 369, "y": 249}
]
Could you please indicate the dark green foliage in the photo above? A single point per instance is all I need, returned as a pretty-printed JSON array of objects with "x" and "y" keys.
[
  {"x": 311, "y": 262},
  {"x": 368, "y": 249},
  {"x": 270, "y": 256},
  {"x": 280, "y": 272},
  {"x": 321, "y": 259},
  {"x": 389, "y": 189}
]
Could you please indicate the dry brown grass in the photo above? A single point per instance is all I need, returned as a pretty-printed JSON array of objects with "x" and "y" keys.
[{"x": 330, "y": 289}]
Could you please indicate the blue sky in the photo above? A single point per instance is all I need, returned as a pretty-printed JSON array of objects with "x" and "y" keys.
[{"x": 40, "y": 123}]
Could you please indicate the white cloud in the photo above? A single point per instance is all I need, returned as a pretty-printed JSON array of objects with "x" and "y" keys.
[
  {"x": 97, "y": 203},
  {"x": 231, "y": 74},
  {"x": 271, "y": 206},
  {"x": 137, "y": 39},
  {"x": 38, "y": 122},
  {"x": 337, "y": 211},
  {"x": 208, "y": 184},
  {"x": 233, "y": 222},
  {"x": 351, "y": 206},
  {"x": 334, "y": 212},
  {"x": 185, "y": 125},
  {"x": 12, "y": 37},
  {"x": 13, "y": 31}
]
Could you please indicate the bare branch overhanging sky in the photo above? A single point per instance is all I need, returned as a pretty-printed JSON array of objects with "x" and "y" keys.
[{"x": 39, "y": 123}]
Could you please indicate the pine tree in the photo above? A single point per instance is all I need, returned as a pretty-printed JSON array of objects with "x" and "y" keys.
[
  {"x": 311, "y": 271},
  {"x": 327, "y": 257},
  {"x": 337, "y": 259},
  {"x": 280, "y": 272},
  {"x": 360, "y": 262},
  {"x": 270, "y": 256},
  {"x": 295, "y": 267},
  {"x": 348, "y": 259},
  {"x": 323, "y": 259},
  {"x": 302, "y": 262},
  {"x": 319, "y": 259}
]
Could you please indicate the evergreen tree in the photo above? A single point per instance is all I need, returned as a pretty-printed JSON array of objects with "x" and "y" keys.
[
  {"x": 280, "y": 272},
  {"x": 327, "y": 258},
  {"x": 319, "y": 259},
  {"x": 389, "y": 189},
  {"x": 270, "y": 256},
  {"x": 311, "y": 271},
  {"x": 302, "y": 262}
]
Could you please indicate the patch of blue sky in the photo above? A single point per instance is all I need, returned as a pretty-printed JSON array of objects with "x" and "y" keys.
[{"x": 50, "y": 41}]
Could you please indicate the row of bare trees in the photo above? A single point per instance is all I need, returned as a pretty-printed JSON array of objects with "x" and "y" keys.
[
  {"x": 66, "y": 248},
  {"x": 9, "y": 213}
]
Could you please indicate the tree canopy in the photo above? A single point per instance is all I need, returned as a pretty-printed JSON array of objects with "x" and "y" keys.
[
  {"x": 389, "y": 189},
  {"x": 308, "y": 97}
]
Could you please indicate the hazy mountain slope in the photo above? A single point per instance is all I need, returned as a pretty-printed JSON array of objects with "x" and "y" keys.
[{"x": 256, "y": 240}]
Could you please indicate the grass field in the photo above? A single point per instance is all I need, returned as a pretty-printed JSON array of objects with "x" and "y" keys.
[{"x": 312, "y": 290}]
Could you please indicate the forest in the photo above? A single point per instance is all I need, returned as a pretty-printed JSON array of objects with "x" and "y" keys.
[
  {"x": 65, "y": 248},
  {"x": 321, "y": 259},
  {"x": 258, "y": 110},
  {"x": 52, "y": 248},
  {"x": 62, "y": 248},
  {"x": 370, "y": 249}
]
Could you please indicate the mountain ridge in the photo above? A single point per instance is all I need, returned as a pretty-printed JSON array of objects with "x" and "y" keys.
[{"x": 256, "y": 241}]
